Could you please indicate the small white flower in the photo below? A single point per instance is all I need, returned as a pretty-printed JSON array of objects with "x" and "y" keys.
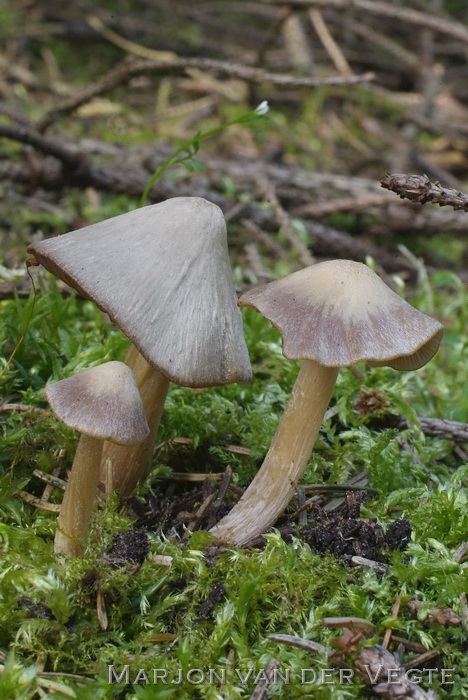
[{"x": 262, "y": 108}]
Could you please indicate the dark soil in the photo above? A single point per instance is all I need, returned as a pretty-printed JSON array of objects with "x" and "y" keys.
[
  {"x": 129, "y": 546},
  {"x": 39, "y": 611},
  {"x": 215, "y": 595},
  {"x": 345, "y": 534}
]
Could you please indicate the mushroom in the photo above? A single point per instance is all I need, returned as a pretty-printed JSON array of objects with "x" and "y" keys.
[
  {"x": 102, "y": 403},
  {"x": 162, "y": 274},
  {"x": 330, "y": 315}
]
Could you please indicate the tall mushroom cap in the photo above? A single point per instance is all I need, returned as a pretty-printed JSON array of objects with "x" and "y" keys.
[
  {"x": 162, "y": 274},
  {"x": 340, "y": 312},
  {"x": 102, "y": 402}
]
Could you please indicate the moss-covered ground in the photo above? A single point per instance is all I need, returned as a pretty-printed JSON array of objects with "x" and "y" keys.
[{"x": 48, "y": 611}]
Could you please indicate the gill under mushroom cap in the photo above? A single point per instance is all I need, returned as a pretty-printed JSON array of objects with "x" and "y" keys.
[
  {"x": 340, "y": 312},
  {"x": 103, "y": 402},
  {"x": 162, "y": 274}
]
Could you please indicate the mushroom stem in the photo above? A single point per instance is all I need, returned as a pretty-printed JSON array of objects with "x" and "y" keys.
[
  {"x": 78, "y": 501},
  {"x": 273, "y": 486},
  {"x": 129, "y": 464}
]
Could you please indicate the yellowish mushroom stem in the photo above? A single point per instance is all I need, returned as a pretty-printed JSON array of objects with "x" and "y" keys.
[
  {"x": 78, "y": 501},
  {"x": 124, "y": 466},
  {"x": 274, "y": 485}
]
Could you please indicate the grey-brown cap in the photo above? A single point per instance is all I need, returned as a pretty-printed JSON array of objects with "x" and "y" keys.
[
  {"x": 340, "y": 312},
  {"x": 162, "y": 273},
  {"x": 103, "y": 402}
]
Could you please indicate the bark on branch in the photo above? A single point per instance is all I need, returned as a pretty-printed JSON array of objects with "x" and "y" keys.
[
  {"x": 438, "y": 24},
  {"x": 418, "y": 188},
  {"x": 131, "y": 68}
]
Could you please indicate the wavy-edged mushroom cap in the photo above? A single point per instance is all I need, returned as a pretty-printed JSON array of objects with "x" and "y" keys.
[
  {"x": 340, "y": 312},
  {"x": 162, "y": 274},
  {"x": 102, "y": 402}
]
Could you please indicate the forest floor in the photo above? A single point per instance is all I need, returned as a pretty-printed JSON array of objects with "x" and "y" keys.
[{"x": 365, "y": 575}]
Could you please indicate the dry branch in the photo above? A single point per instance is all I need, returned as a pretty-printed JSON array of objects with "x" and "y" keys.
[
  {"x": 329, "y": 43},
  {"x": 418, "y": 188},
  {"x": 444, "y": 428},
  {"x": 69, "y": 168},
  {"x": 48, "y": 146},
  {"x": 284, "y": 220},
  {"x": 434, "y": 427},
  {"x": 333, "y": 206},
  {"x": 67, "y": 165},
  {"x": 325, "y": 241},
  {"x": 261, "y": 690},
  {"x": 412, "y": 218},
  {"x": 128, "y": 69},
  {"x": 385, "y": 9},
  {"x": 394, "y": 48}
]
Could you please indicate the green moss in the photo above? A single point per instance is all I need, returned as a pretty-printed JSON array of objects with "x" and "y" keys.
[{"x": 282, "y": 588}]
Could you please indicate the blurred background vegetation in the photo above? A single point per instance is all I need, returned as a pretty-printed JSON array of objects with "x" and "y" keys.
[{"x": 122, "y": 85}]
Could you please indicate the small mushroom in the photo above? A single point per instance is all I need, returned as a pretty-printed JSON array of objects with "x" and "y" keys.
[
  {"x": 330, "y": 315},
  {"x": 102, "y": 403},
  {"x": 162, "y": 274}
]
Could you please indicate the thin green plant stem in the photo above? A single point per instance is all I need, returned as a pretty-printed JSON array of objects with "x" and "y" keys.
[{"x": 192, "y": 146}]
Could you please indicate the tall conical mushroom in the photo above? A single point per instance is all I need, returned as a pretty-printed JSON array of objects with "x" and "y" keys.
[
  {"x": 162, "y": 274},
  {"x": 102, "y": 403},
  {"x": 330, "y": 315}
]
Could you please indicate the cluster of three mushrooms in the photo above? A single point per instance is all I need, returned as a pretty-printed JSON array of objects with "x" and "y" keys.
[{"x": 330, "y": 315}]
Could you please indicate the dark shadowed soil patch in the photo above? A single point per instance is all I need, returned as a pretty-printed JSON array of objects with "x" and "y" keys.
[
  {"x": 341, "y": 532},
  {"x": 345, "y": 534},
  {"x": 129, "y": 546}
]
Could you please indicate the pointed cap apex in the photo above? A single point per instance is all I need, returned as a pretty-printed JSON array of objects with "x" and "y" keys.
[{"x": 162, "y": 274}]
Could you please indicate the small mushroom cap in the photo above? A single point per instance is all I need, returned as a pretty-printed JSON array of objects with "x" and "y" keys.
[
  {"x": 162, "y": 273},
  {"x": 103, "y": 402},
  {"x": 340, "y": 312}
]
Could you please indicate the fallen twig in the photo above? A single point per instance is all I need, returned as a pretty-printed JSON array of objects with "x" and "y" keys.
[
  {"x": 432, "y": 21},
  {"x": 464, "y": 610},
  {"x": 128, "y": 69},
  {"x": 23, "y": 408},
  {"x": 223, "y": 487},
  {"x": 51, "y": 479},
  {"x": 332, "y": 206},
  {"x": 306, "y": 644},
  {"x": 370, "y": 563},
  {"x": 261, "y": 689},
  {"x": 359, "y": 480},
  {"x": 199, "y": 514},
  {"x": 412, "y": 646},
  {"x": 38, "y": 503},
  {"x": 327, "y": 488},
  {"x": 284, "y": 220},
  {"x": 356, "y": 622},
  {"x": 433, "y": 427},
  {"x": 418, "y": 188},
  {"x": 388, "y": 634},
  {"x": 423, "y": 659},
  {"x": 442, "y": 428},
  {"x": 70, "y": 167},
  {"x": 330, "y": 45},
  {"x": 460, "y": 552},
  {"x": 382, "y": 671}
]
